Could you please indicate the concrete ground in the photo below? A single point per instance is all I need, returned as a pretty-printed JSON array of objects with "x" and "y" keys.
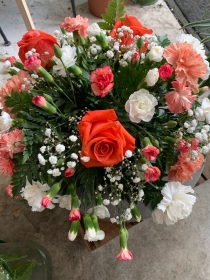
[{"x": 179, "y": 252}]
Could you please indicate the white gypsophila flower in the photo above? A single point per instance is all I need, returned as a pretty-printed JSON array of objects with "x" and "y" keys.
[
  {"x": 131, "y": 205},
  {"x": 90, "y": 235},
  {"x": 5, "y": 121},
  {"x": 93, "y": 50},
  {"x": 206, "y": 110},
  {"x": 64, "y": 201},
  {"x": 117, "y": 178},
  {"x": 140, "y": 195},
  {"x": 112, "y": 179},
  {"x": 85, "y": 159},
  {"x": 128, "y": 216},
  {"x": 190, "y": 113},
  {"x": 113, "y": 220},
  {"x": 43, "y": 149},
  {"x": 156, "y": 53},
  {"x": 109, "y": 54},
  {"x": 74, "y": 156},
  {"x": 205, "y": 150},
  {"x": 136, "y": 180},
  {"x": 144, "y": 166},
  {"x": 69, "y": 57},
  {"x": 101, "y": 211},
  {"x": 204, "y": 137},
  {"x": 206, "y": 127},
  {"x": 41, "y": 159},
  {"x": 73, "y": 138},
  {"x": 48, "y": 132},
  {"x": 194, "y": 123},
  {"x": 186, "y": 125},
  {"x": 34, "y": 194},
  {"x": 175, "y": 205},
  {"x": 56, "y": 33},
  {"x": 100, "y": 188},
  {"x": 152, "y": 77},
  {"x": 106, "y": 202},
  {"x": 53, "y": 159},
  {"x": 115, "y": 202},
  {"x": 128, "y": 154},
  {"x": 120, "y": 187},
  {"x": 71, "y": 164},
  {"x": 56, "y": 172},
  {"x": 141, "y": 106},
  {"x": 49, "y": 171},
  {"x": 191, "y": 129},
  {"x": 93, "y": 30},
  {"x": 60, "y": 148}
]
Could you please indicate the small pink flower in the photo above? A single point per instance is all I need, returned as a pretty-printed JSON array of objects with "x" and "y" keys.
[
  {"x": 74, "y": 215},
  {"x": 39, "y": 101},
  {"x": 182, "y": 146},
  {"x": 152, "y": 174},
  {"x": 102, "y": 81},
  {"x": 135, "y": 57},
  {"x": 194, "y": 144},
  {"x": 9, "y": 190},
  {"x": 124, "y": 255},
  {"x": 32, "y": 63},
  {"x": 11, "y": 59},
  {"x": 69, "y": 172},
  {"x": 180, "y": 99},
  {"x": 150, "y": 152},
  {"x": 77, "y": 23},
  {"x": 46, "y": 200},
  {"x": 165, "y": 71}
]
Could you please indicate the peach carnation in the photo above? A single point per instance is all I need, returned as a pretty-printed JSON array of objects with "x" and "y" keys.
[
  {"x": 78, "y": 23},
  {"x": 6, "y": 166},
  {"x": 188, "y": 64}
]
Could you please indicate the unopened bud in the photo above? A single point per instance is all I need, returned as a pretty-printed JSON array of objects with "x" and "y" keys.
[
  {"x": 171, "y": 124},
  {"x": 44, "y": 74},
  {"x": 102, "y": 40},
  {"x": 136, "y": 214},
  {"x": 75, "y": 70},
  {"x": 57, "y": 51},
  {"x": 140, "y": 43}
]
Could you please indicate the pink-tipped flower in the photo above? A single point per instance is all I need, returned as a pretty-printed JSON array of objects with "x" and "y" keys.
[
  {"x": 11, "y": 59},
  {"x": 32, "y": 63},
  {"x": 46, "y": 200},
  {"x": 125, "y": 255},
  {"x": 69, "y": 172},
  {"x": 135, "y": 57},
  {"x": 165, "y": 71},
  {"x": 9, "y": 190},
  {"x": 150, "y": 152},
  {"x": 41, "y": 102},
  {"x": 152, "y": 174},
  {"x": 74, "y": 215},
  {"x": 182, "y": 146},
  {"x": 194, "y": 144}
]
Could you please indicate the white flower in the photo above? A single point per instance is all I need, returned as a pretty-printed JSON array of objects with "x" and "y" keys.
[
  {"x": 73, "y": 138},
  {"x": 206, "y": 109},
  {"x": 175, "y": 205},
  {"x": 141, "y": 106},
  {"x": 72, "y": 236},
  {"x": 117, "y": 178},
  {"x": 152, "y": 77},
  {"x": 85, "y": 159},
  {"x": 194, "y": 123},
  {"x": 47, "y": 132},
  {"x": 56, "y": 172},
  {"x": 186, "y": 125},
  {"x": 144, "y": 166},
  {"x": 5, "y": 121},
  {"x": 90, "y": 234},
  {"x": 205, "y": 150},
  {"x": 101, "y": 211},
  {"x": 113, "y": 220},
  {"x": 136, "y": 180},
  {"x": 128, "y": 154},
  {"x": 34, "y": 194},
  {"x": 5, "y": 67},
  {"x": 120, "y": 187},
  {"x": 41, "y": 159},
  {"x": 93, "y": 30},
  {"x": 106, "y": 201},
  {"x": 100, "y": 234},
  {"x": 100, "y": 188},
  {"x": 43, "y": 149},
  {"x": 69, "y": 57},
  {"x": 60, "y": 148},
  {"x": 190, "y": 113},
  {"x": 49, "y": 171},
  {"x": 206, "y": 127},
  {"x": 112, "y": 179},
  {"x": 71, "y": 164},
  {"x": 115, "y": 202},
  {"x": 65, "y": 201},
  {"x": 141, "y": 194},
  {"x": 109, "y": 54},
  {"x": 198, "y": 136},
  {"x": 53, "y": 159},
  {"x": 156, "y": 53},
  {"x": 74, "y": 156}
]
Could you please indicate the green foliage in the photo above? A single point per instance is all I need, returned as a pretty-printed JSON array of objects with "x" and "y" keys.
[
  {"x": 152, "y": 195},
  {"x": 163, "y": 41},
  {"x": 115, "y": 10},
  {"x": 18, "y": 101}
]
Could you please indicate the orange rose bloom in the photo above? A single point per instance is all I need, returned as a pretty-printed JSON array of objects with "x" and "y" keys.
[
  {"x": 39, "y": 40},
  {"x": 104, "y": 139},
  {"x": 135, "y": 25}
]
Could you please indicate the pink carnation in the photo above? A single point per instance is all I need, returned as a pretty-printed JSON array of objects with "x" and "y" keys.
[
  {"x": 102, "y": 81},
  {"x": 188, "y": 64},
  {"x": 125, "y": 255},
  {"x": 69, "y": 172},
  {"x": 194, "y": 144},
  {"x": 6, "y": 166},
  {"x": 11, "y": 59},
  {"x": 74, "y": 215},
  {"x": 39, "y": 101},
  {"x": 32, "y": 63},
  {"x": 9, "y": 190},
  {"x": 182, "y": 146},
  {"x": 77, "y": 23},
  {"x": 165, "y": 71},
  {"x": 152, "y": 174},
  {"x": 46, "y": 200},
  {"x": 150, "y": 152},
  {"x": 180, "y": 99}
]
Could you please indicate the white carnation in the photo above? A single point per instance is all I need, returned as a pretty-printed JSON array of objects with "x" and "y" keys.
[
  {"x": 5, "y": 121},
  {"x": 152, "y": 77},
  {"x": 156, "y": 53},
  {"x": 93, "y": 30},
  {"x": 101, "y": 211}
]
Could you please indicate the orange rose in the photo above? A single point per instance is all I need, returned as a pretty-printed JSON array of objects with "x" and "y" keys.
[
  {"x": 104, "y": 139},
  {"x": 134, "y": 24},
  {"x": 39, "y": 40}
]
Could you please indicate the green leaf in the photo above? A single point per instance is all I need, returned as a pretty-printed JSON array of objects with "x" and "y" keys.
[
  {"x": 163, "y": 41},
  {"x": 202, "y": 23}
]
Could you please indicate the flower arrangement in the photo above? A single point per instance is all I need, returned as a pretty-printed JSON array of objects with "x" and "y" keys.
[{"x": 105, "y": 114}]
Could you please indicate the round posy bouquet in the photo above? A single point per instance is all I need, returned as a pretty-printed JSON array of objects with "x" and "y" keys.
[{"x": 105, "y": 114}]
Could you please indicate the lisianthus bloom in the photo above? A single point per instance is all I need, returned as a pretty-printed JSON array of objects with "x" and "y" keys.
[
  {"x": 104, "y": 139},
  {"x": 32, "y": 63},
  {"x": 183, "y": 169},
  {"x": 74, "y": 215},
  {"x": 150, "y": 152},
  {"x": 102, "y": 81},
  {"x": 152, "y": 174},
  {"x": 188, "y": 64},
  {"x": 134, "y": 24},
  {"x": 180, "y": 99},
  {"x": 182, "y": 146},
  {"x": 165, "y": 71},
  {"x": 46, "y": 200},
  {"x": 69, "y": 172},
  {"x": 9, "y": 190},
  {"x": 77, "y": 23},
  {"x": 41, "y": 41},
  {"x": 12, "y": 143},
  {"x": 175, "y": 205},
  {"x": 141, "y": 106}
]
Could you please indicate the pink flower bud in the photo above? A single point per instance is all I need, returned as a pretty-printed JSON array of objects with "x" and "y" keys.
[
  {"x": 152, "y": 174},
  {"x": 9, "y": 190},
  {"x": 32, "y": 63},
  {"x": 165, "y": 71},
  {"x": 74, "y": 215},
  {"x": 182, "y": 146},
  {"x": 125, "y": 255},
  {"x": 46, "y": 200},
  {"x": 11, "y": 59},
  {"x": 135, "y": 57},
  {"x": 69, "y": 172},
  {"x": 194, "y": 144},
  {"x": 150, "y": 152},
  {"x": 39, "y": 101}
]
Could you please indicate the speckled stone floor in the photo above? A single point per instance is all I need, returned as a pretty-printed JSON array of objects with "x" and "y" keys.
[{"x": 179, "y": 252}]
